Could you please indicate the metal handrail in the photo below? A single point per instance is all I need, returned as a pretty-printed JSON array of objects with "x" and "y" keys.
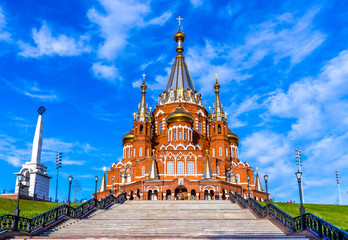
[
  {"x": 31, "y": 225},
  {"x": 311, "y": 222}
]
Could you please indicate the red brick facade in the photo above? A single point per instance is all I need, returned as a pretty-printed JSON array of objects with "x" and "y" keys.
[{"x": 180, "y": 148}]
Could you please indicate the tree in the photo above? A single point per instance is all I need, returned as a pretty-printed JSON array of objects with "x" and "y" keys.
[{"x": 77, "y": 187}]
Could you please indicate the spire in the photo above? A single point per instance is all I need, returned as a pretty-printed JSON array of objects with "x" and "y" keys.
[
  {"x": 258, "y": 185},
  {"x": 180, "y": 85},
  {"x": 102, "y": 187},
  {"x": 37, "y": 143},
  {"x": 143, "y": 115},
  {"x": 153, "y": 174},
  {"x": 207, "y": 170},
  {"x": 218, "y": 112}
]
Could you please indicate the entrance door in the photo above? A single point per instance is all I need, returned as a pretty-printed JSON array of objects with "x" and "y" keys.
[{"x": 180, "y": 192}]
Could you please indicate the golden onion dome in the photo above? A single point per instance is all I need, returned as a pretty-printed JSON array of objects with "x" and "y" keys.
[
  {"x": 232, "y": 137},
  {"x": 180, "y": 115},
  {"x": 179, "y": 36},
  {"x": 128, "y": 137}
]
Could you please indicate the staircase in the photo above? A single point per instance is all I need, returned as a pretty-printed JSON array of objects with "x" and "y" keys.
[{"x": 172, "y": 219}]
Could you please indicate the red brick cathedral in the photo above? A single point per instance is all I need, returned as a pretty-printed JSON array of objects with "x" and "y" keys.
[{"x": 180, "y": 150}]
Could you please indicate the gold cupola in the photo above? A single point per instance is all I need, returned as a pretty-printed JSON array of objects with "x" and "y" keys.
[
  {"x": 232, "y": 137},
  {"x": 128, "y": 137},
  {"x": 180, "y": 115}
]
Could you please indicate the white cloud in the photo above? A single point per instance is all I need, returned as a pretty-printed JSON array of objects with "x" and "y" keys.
[
  {"x": 48, "y": 44},
  {"x": 107, "y": 72},
  {"x": 286, "y": 36},
  {"x": 10, "y": 153},
  {"x": 196, "y": 3},
  {"x": 4, "y": 35},
  {"x": 116, "y": 22}
]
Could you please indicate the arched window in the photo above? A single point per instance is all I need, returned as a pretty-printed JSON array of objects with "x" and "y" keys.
[
  {"x": 174, "y": 135},
  {"x": 219, "y": 129},
  {"x": 141, "y": 129},
  {"x": 148, "y": 152},
  {"x": 143, "y": 171},
  {"x": 226, "y": 152},
  {"x": 200, "y": 127},
  {"x": 220, "y": 151},
  {"x": 128, "y": 153},
  {"x": 185, "y": 135},
  {"x": 140, "y": 152},
  {"x": 217, "y": 170},
  {"x": 190, "y": 168},
  {"x": 213, "y": 152},
  {"x": 180, "y": 168},
  {"x": 170, "y": 168},
  {"x": 160, "y": 128},
  {"x": 232, "y": 152},
  {"x": 180, "y": 135}
]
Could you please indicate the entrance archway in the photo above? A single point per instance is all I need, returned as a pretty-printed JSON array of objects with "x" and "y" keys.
[
  {"x": 193, "y": 194},
  {"x": 180, "y": 192},
  {"x": 169, "y": 194}
]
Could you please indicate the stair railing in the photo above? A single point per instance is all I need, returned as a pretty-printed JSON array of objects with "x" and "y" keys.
[
  {"x": 311, "y": 222},
  {"x": 31, "y": 225}
]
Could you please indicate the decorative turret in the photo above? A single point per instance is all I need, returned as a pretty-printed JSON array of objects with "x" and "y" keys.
[
  {"x": 180, "y": 115},
  {"x": 102, "y": 187},
  {"x": 207, "y": 169},
  {"x": 258, "y": 185},
  {"x": 143, "y": 115},
  {"x": 218, "y": 112},
  {"x": 180, "y": 86},
  {"x": 153, "y": 174},
  {"x": 128, "y": 137}
]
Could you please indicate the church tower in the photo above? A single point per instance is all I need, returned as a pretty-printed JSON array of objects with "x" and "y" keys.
[{"x": 192, "y": 149}]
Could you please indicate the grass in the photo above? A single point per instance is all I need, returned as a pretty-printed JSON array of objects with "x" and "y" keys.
[
  {"x": 334, "y": 214},
  {"x": 28, "y": 208}
]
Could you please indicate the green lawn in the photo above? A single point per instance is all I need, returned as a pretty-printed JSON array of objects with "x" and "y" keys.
[
  {"x": 27, "y": 208},
  {"x": 334, "y": 214}
]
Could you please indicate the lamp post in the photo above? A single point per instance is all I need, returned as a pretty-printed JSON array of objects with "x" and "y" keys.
[
  {"x": 236, "y": 186},
  {"x": 302, "y": 209},
  {"x": 17, "y": 210},
  {"x": 58, "y": 165},
  {"x": 96, "y": 184},
  {"x": 228, "y": 179},
  {"x": 124, "y": 176},
  {"x": 70, "y": 180},
  {"x": 248, "y": 179},
  {"x": 267, "y": 200},
  {"x": 113, "y": 183}
]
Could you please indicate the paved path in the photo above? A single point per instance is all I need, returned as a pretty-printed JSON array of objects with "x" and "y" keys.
[{"x": 171, "y": 220}]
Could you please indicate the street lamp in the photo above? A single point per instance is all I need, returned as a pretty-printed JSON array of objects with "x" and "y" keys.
[
  {"x": 58, "y": 165},
  {"x": 302, "y": 209},
  {"x": 113, "y": 183},
  {"x": 96, "y": 184},
  {"x": 236, "y": 185},
  {"x": 267, "y": 200},
  {"x": 17, "y": 211},
  {"x": 248, "y": 179},
  {"x": 70, "y": 180},
  {"x": 124, "y": 176},
  {"x": 228, "y": 179}
]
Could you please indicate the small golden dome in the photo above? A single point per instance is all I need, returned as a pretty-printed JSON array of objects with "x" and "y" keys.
[
  {"x": 232, "y": 137},
  {"x": 128, "y": 137},
  {"x": 180, "y": 115},
  {"x": 179, "y": 36},
  {"x": 143, "y": 87}
]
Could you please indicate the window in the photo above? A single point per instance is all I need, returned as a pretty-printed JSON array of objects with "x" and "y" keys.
[
  {"x": 143, "y": 171},
  {"x": 141, "y": 129},
  {"x": 190, "y": 168},
  {"x": 128, "y": 153},
  {"x": 160, "y": 128},
  {"x": 200, "y": 127},
  {"x": 148, "y": 152},
  {"x": 217, "y": 170},
  {"x": 179, "y": 134},
  {"x": 213, "y": 152},
  {"x": 134, "y": 153},
  {"x": 180, "y": 168},
  {"x": 170, "y": 167},
  {"x": 226, "y": 152},
  {"x": 219, "y": 129},
  {"x": 140, "y": 152},
  {"x": 129, "y": 178},
  {"x": 232, "y": 152},
  {"x": 174, "y": 135},
  {"x": 220, "y": 151},
  {"x": 237, "y": 178},
  {"x": 185, "y": 135}
]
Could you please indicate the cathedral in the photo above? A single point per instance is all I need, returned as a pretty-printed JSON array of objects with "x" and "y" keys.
[{"x": 180, "y": 150}]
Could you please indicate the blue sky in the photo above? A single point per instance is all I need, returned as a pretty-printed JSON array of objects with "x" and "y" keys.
[{"x": 283, "y": 70}]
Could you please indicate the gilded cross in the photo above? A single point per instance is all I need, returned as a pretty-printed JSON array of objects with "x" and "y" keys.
[
  {"x": 150, "y": 108},
  {"x": 216, "y": 76},
  {"x": 153, "y": 151},
  {"x": 134, "y": 114},
  {"x": 209, "y": 108},
  {"x": 143, "y": 76},
  {"x": 179, "y": 19}
]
